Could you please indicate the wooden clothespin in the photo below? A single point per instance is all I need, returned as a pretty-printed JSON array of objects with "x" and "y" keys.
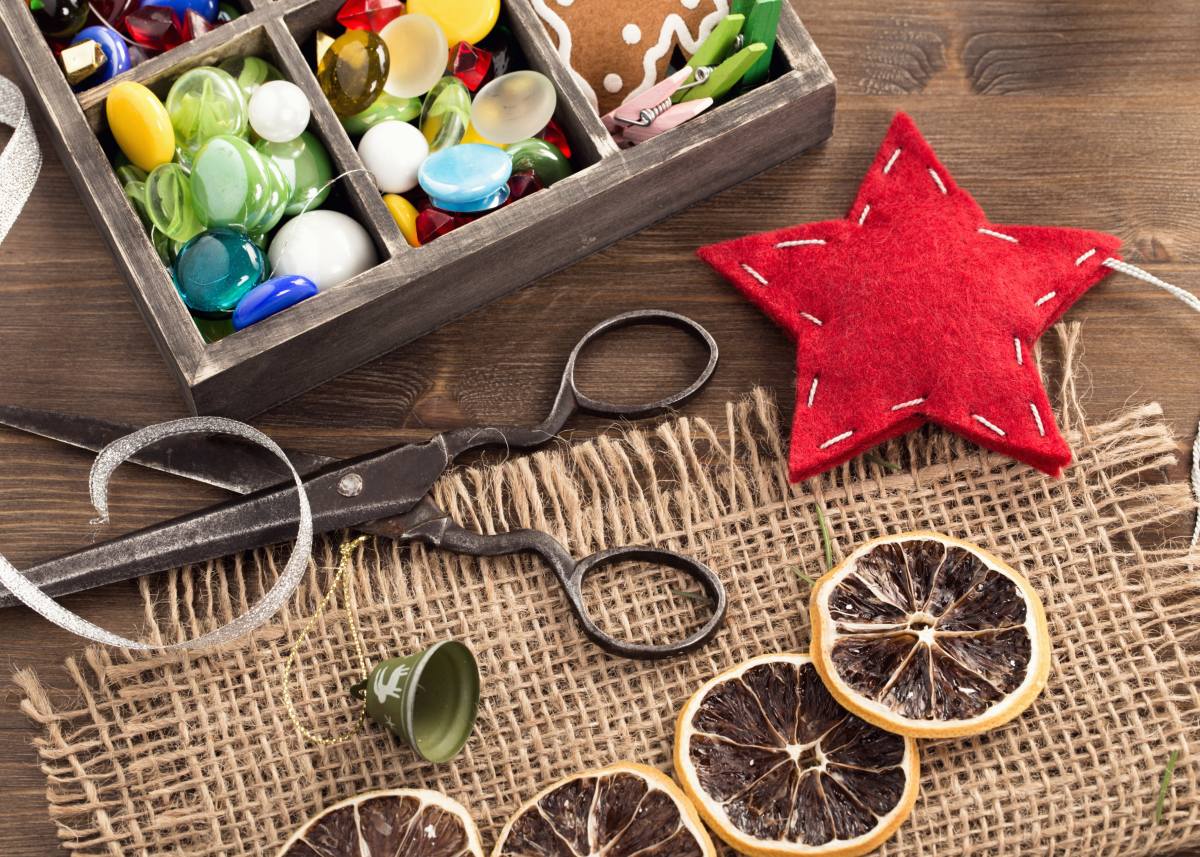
[
  {"x": 649, "y": 114},
  {"x": 727, "y": 74},
  {"x": 716, "y": 48},
  {"x": 761, "y": 27}
]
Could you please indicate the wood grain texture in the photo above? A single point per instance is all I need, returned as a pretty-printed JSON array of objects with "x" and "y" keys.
[{"x": 1087, "y": 116}]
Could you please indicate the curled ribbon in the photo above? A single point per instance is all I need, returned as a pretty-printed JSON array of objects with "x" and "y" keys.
[
  {"x": 21, "y": 160},
  {"x": 106, "y": 462}
]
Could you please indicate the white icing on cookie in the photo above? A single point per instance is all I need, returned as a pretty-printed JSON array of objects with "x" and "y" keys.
[
  {"x": 613, "y": 83},
  {"x": 564, "y": 46},
  {"x": 632, "y": 33},
  {"x": 673, "y": 24},
  {"x": 691, "y": 4}
]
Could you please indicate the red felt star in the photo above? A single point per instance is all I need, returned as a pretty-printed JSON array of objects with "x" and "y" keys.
[{"x": 914, "y": 308}]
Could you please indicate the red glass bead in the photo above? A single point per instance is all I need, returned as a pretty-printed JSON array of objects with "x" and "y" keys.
[
  {"x": 371, "y": 15},
  {"x": 470, "y": 64},
  {"x": 553, "y": 134},
  {"x": 195, "y": 24},
  {"x": 433, "y": 222},
  {"x": 522, "y": 184},
  {"x": 155, "y": 27}
]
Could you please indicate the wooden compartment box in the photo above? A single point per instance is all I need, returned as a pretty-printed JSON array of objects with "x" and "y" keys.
[{"x": 412, "y": 291}]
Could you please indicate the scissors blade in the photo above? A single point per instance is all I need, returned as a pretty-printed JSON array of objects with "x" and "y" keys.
[
  {"x": 343, "y": 495},
  {"x": 226, "y": 462}
]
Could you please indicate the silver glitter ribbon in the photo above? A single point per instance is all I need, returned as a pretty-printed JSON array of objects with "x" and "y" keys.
[
  {"x": 21, "y": 160},
  {"x": 106, "y": 462}
]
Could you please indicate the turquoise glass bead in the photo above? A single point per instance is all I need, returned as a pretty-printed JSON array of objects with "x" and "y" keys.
[
  {"x": 250, "y": 73},
  {"x": 275, "y": 295},
  {"x": 446, "y": 113},
  {"x": 469, "y": 177},
  {"x": 205, "y": 103},
  {"x": 545, "y": 159},
  {"x": 216, "y": 269},
  {"x": 386, "y": 108},
  {"x": 230, "y": 184},
  {"x": 305, "y": 165},
  {"x": 169, "y": 202}
]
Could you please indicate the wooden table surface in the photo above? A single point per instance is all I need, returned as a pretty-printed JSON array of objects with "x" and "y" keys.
[{"x": 1072, "y": 113}]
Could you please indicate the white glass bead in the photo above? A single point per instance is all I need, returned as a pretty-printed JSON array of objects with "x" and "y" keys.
[
  {"x": 417, "y": 50},
  {"x": 513, "y": 107},
  {"x": 325, "y": 246},
  {"x": 393, "y": 151},
  {"x": 279, "y": 111}
]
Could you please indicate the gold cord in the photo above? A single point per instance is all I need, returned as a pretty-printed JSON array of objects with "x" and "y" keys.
[{"x": 342, "y": 577}]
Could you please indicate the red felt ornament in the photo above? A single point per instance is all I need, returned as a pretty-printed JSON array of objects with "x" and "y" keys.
[{"x": 914, "y": 309}]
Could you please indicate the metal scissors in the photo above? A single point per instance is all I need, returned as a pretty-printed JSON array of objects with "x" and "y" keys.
[{"x": 384, "y": 493}]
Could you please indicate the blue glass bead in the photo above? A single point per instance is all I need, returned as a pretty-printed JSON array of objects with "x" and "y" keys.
[
  {"x": 467, "y": 177},
  {"x": 275, "y": 295},
  {"x": 206, "y": 9},
  {"x": 215, "y": 269},
  {"x": 114, "y": 48}
]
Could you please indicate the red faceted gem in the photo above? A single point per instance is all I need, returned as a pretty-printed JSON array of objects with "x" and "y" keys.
[
  {"x": 195, "y": 24},
  {"x": 522, "y": 184},
  {"x": 470, "y": 64},
  {"x": 155, "y": 27},
  {"x": 433, "y": 222},
  {"x": 553, "y": 134},
  {"x": 371, "y": 15}
]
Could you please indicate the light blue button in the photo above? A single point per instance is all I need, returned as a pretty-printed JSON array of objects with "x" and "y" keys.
[{"x": 467, "y": 177}]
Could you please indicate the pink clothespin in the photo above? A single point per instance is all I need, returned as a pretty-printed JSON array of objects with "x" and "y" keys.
[{"x": 651, "y": 113}]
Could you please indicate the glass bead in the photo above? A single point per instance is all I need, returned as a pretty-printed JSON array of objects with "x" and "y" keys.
[
  {"x": 204, "y": 103},
  {"x": 505, "y": 50},
  {"x": 543, "y": 158},
  {"x": 273, "y": 296},
  {"x": 554, "y": 135},
  {"x": 127, "y": 173},
  {"x": 305, "y": 166},
  {"x": 155, "y": 27},
  {"x": 514, "y": 107},
  {"x": 169, "y": 202},
  {"x": 352, "y": 72},
  {"x": 277, "y": 200},
  {"x": 250, "y": 73},
  {"x": 325, "y": 246},
  {"x": 213, "y": 329},
  {"x": 278, "y": 111},
  {"x": 386, "y": 108},
  {"x": 393, "y": 152},
  {"x": 136, "y": 191},
  {"x": 460, "y": 20},
  {"x": 405, "y": 215},
  {"x": 473, "y": 136},
  {"x": 446, "y": 113},
  {"x": 227, "y": 13},
  {"x": 59, "y": 19},
  {"x": 371, "y": 15},
  {"x": 419, "y": 53},
  {"x": 470, "y": 177},
  {"x": 137, "y": 54},
  {"x": 114, "y": 11},
  {"x": 195, "y": 25},
  {"x": 230, "y": 184},
  {"x": 470, "y": 64},
  {"x": 216, "y": 269},
  {"x": 433, "y": 223},
  {"x": 85, "y": 60},
  {"x": 206, "y": 9},
  {"x": 140, "y": 125},
  {"x": 522, "y": 184}
]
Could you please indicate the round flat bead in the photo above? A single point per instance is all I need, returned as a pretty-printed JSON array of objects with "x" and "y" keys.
[
  {"x": 169, "y": 202},
  {"x": 277, "y": 201},
  {"x": 114, "y": 49},
  {"x": 514, "y": 107},
  {"x": 250, "y": 73},
  {"x": 405, "y": 215},
  {"x": 545, "y": 159},
  {"x": 460, "y": 20},
  {"x": 469, "y": 177},
  {"x": 230, "y": 183},
  {"x": 473, "y": 136},
  {"x": 204, "y": 103},
  {"x": 419, "y": 52},
  {"x": 385, "y": 109},
  {"x": 446, "y": 113},
  {"x": 206, "y": 9},
  {"x": 59, "y": 19},
  {"x": 279, "y": 111},
  {"x": 327, "y": 247},
  {"x": 140, "y": 124},
  {"x": 216, "y": 269},
  {"x": 393, "y": 151},
  {"x": 225, "y": 14},
  {"x": 305, "y": 165},
  {"x": 353, "y": 70},
  {"x": 275, "y": 295},
  {"x": 136, "y": 191}
]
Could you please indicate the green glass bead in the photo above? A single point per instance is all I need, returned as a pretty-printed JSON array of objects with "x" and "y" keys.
[
  {"x": 353, "y": 70},
  {"x": 215, "y": 269},
  {"x": 227, "y": 13},
  {"x": 121, "y": 160},
  {"x": 305, "y": 165},
  {"x": 277, "y": 203},
  {"x": 386, "y": 108},
  {"x": 260, "y": 239},
  {"x": 169, "y": 202},
  {"x": 204, "y": 103},
  {"x": 127, "y": 173},
  {"x": 136, "y": 191},
  {"x": 213, "y": 329},
  {"x": 250, "y": 73},
  {"x": 446, "y": 113},
  {"x": 166, "y": 247},
  {"x": 230, "y": 184},
  {"x": 543, "y": 158}
]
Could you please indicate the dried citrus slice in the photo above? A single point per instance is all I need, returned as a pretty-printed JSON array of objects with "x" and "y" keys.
[
  {"x": 776, "y": 767},
  {"x": 394, "y": 823},
  {"x": 929, "y": 636},
  {"x": 619, "y": 811}
]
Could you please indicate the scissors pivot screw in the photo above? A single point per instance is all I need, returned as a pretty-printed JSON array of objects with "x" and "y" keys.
[{"x": 350, "y": 485}]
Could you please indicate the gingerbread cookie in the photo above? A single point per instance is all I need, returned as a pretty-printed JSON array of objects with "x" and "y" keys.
[{"x": 617, "y": 49}]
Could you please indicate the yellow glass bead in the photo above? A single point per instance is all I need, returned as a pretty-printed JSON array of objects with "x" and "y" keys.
[
  {"x": 141, "y": 126},
  {"x": 473, "y": 136},
  {"x": 462, "y": 20},
  {"x": 405, "y": 215}
]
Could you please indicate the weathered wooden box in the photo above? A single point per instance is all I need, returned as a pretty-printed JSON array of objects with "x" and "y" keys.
[{"x": 612, "y": 194}]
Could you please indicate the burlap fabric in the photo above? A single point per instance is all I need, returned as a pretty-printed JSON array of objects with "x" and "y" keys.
[{"x": 194, "y": 753}]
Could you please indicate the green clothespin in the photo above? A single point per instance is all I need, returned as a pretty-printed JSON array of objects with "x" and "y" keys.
[
  {"x": 761, "y": 26},
  {"x": 727, "y": 74},
  {"x": 741, "y": 7},
  {"x": 714, "y": 49}
]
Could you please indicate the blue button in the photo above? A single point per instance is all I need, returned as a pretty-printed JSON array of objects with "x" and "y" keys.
[
  {"x": 275, "y": 295},
  {"x": 467, "y": 177},
  {"x": 114, "y": 48}
]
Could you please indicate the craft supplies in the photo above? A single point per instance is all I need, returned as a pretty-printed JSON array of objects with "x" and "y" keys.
[
  {"x": 113, "y": 58},
  {"x": 327, "y": 247},
  {"x": 419, "y": 50},
  {"x": 168, "y": 203},
  {"x": 156, "y": 28},
  {"x": 469, "y": 178},
  {"x": 445, "y": 113},
  {"x": 371, "y": 15},
  {"x": 141, "y": 125},
  {"x": 353, "y": 69},
  {"x": 270, "y": 297},
  {"x": 461, "y": 20},
  {"x": 305, "y": 166},
  {"x": 250, "y": 73},
  {"x": 543, "y": 159},
  {"x": 204, "y": 103},
  {"x": 278, "y": 111},
  {"x": 513, "y": 107},
  {"x": 405, "y": 215},
  {"x": 385, "y": 108},
  {"x": 216, "y": 269}
]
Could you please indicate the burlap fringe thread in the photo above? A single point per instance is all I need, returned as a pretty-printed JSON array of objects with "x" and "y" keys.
[{"x": 193, "y": 753}]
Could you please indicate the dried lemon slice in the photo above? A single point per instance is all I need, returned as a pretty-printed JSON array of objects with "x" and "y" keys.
[
  {"x": 776, "y": 767},
  {"x": 394, "y": 823},
  {"x": 619, "y": 811},
  {"x": 929, "y": 636}
]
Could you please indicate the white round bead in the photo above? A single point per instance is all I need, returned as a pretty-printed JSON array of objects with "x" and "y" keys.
[
  {"x": 326, "y": 246},
  {"x": 393, "y": 151},
  {"x": 279, "y": 111}
]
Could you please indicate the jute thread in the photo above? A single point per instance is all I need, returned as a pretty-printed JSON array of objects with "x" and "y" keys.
[{"x": 193, "y": 753}]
